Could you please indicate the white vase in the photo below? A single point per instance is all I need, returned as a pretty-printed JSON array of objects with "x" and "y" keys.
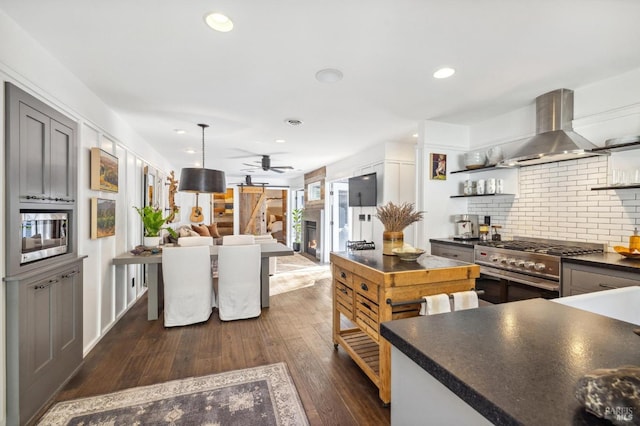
[{"x": 151, "y": 241}]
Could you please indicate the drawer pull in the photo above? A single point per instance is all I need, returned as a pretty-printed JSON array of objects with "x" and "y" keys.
[
  {"x": 43, "y": 286},
  {"x": 70, "y": 274},
  {"x": 364, "y": 287},
  {"x": 450, "y": 254},
  {"x": 343, "y": 275},
  {"x": 342, "y": 290},
  {"x": 607, "y": 286}
]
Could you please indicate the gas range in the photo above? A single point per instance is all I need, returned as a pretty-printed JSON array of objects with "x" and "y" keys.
[{"x": 529, "y": 261}]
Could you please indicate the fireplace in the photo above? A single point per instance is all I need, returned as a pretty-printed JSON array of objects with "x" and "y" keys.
[{"x": 310, "y": 237}]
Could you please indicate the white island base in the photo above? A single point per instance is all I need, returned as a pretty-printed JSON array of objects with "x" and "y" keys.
[{"x": 418, "y": 398}]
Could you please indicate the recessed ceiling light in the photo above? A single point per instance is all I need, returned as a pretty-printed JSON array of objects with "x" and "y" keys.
[
  {"x": 280, "y": 141},
  {"x": 293, "y": 121},
  {"x": 329, "y": 75},
  {"x": 219, "y": 22},
  {"x": 415, "y": 135},
  {"x": 444, "y": 72},
  {"x": 190, "y": 151},
  {"x": 180, "y": 131}
]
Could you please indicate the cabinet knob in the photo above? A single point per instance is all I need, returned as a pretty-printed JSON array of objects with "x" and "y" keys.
[
  {"x": 343, "y": 290},
  {"x": 343, "y": 275},
  {"x": 364, "y": 287}
]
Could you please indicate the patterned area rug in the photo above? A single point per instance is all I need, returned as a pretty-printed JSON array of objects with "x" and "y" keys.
[
  {"x": 263, "y": 395},
  {"x": 296, "y": 272},
  {"x": 293, "y": 263}
]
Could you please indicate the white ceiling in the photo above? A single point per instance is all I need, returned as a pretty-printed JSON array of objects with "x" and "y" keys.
[{"x": 161, "y": 68}]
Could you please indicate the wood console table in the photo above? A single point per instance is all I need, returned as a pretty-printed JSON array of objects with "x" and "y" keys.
[
  {"x": 364, "y": 282},
  {"x": 155, "y": 272}
]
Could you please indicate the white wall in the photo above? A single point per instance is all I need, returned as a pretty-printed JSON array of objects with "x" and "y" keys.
[
  {"x": 27, "y": 65},
  {"x": 434, "y": 195}
]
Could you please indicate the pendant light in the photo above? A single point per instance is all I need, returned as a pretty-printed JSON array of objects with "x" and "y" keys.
[{"x": 201, "y": 180}]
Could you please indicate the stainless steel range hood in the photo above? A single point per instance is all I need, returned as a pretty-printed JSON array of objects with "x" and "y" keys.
[{"x": 555, "y": 139}]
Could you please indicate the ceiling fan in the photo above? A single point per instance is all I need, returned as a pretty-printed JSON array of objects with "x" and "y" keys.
[
  {"x": 265, "y": 163},
  {"x": 249, "y": 182}
]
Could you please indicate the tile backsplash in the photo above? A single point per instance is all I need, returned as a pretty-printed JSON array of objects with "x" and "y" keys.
[{"x": 555, "y": 201}]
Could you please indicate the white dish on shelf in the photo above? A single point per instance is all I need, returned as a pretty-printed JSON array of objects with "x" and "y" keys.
[{"x": 475, "y": 160}]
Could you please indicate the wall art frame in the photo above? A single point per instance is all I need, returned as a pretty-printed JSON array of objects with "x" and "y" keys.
[
  {"x": 103, "y": 218},
  {"x": 104, "y": 171},
  {"x": 438, "y": 166}
]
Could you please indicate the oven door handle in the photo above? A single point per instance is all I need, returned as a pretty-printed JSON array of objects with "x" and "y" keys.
[{"x": 491, "y": 273}]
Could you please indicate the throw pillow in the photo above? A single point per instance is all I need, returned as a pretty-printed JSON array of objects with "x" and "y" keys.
[
  {"x": 202, "y": 230},
  {"x": 186, "y": 231},
  {"x": 213, "y": 230}
]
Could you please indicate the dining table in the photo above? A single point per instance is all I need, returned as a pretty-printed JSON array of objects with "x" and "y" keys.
[{"x": 154, "y": 272}]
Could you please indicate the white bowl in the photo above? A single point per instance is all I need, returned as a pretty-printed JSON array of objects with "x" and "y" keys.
[
  {"x": 475, "y": 160},
  {"x": 408, "y": 254}
]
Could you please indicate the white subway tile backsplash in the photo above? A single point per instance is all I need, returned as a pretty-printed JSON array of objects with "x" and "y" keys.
[{"x": 556, "y": 201}]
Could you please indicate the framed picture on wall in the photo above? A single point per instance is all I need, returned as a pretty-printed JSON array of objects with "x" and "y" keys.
[
  {"x": 103, "y": 218},
  {"x": 104, "y": 171},
  {"x": 438, "y": 166}
]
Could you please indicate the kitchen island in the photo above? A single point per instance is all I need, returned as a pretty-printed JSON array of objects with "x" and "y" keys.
[
  {"x": 515, "y": 363},
  {"x": 366, "y": 285}
]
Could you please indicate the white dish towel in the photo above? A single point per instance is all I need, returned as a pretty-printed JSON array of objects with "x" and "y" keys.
[
  {"x": 435, "y": 304},
  {"x": 465, "y": 300}
]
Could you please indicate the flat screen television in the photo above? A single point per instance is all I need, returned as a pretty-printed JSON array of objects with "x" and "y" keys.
[{"x": 363, "y": 190}]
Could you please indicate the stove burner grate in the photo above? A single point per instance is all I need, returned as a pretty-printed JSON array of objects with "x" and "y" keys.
[{"x": 541, "y": 248}]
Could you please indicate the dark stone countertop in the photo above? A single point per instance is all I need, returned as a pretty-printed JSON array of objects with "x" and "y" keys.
[
  {"x": 606, "y": 260},
  {"x": 390, "y": 264},
  {"x": 517, "y": 363}
]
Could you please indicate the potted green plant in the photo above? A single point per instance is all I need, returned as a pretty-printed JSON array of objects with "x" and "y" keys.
[
  {"x": 153, "y": 223},
  {"x": 296, "y": 219}
]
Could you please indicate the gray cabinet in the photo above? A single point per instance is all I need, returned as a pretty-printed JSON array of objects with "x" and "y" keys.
[
  {"x": 46, "y": 155},
  {"x": 457, "y": 252},
  {"x": 44, "y": 336},
  {"x": 41, "y": 167},
  {"x": 580, "y": 278}
]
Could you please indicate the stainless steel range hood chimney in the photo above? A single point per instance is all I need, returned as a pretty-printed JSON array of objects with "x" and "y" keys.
[{"x": 555, "y": 139}]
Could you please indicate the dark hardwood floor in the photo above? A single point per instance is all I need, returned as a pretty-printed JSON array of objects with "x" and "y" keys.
[{"x": 296, "y": 329}]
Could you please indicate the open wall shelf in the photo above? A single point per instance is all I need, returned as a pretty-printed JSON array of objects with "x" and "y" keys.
[
  {"x": 603, "y": 188},
  {"x": 481, "y": 195},
  {"x": 480, "y": 169}
]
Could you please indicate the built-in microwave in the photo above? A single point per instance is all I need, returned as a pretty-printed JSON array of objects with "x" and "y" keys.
[{"x": 44, "y": 234}]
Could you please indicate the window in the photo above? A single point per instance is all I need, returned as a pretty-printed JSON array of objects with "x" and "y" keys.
[{"x": 313, "y": 191}]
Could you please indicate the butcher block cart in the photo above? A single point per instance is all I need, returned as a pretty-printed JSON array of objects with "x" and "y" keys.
[{"x": 370, "y": 288}]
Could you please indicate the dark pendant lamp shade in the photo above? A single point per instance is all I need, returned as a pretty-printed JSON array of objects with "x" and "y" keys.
[{"x": 201, "y": 180}]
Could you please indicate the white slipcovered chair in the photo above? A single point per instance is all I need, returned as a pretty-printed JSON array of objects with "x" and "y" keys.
[
  {"x": 238, "y": 281},
  {"x": 188, "y": 285},
  {"x": 232, "y": 240},
  {"x": 195, "y": 241}
]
